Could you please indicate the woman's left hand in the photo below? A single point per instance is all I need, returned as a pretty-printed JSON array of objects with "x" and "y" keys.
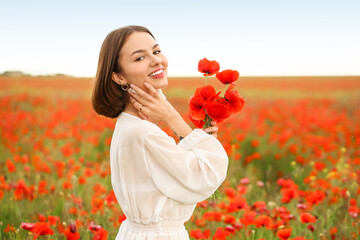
[{"x": 213, "y": 129}]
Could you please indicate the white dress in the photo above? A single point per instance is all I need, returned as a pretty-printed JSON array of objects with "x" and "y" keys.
[{"x": 158, "y": 182}]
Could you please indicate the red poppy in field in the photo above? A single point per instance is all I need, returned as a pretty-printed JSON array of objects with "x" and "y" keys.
[
  {"x": 42, "y": 187},
  {"x": 10, "y": 166},
  {"x": 208, "y": 67},
  {"x": 230, "y": 192},
  {"x": 264, "y": 221},
  {"x": 260, "y": 206},
  {"x": 67, "y": 185},
  {"x": 249, "y": 218},
  {"x": 197, "y": 234},
  {"x": 213, "y": 216},
  {"x": 39, "y": 228},
  {"x": 311, "y": 227},
  {"x": 236, "y": 204},
  {"x": 307, "y": 218},
  {"x": 333, "y": 230},
  {"x": 71, "y": 233},
  {"x": 230, "y": 229},
  {"x": 284, "y": 234},
  {"x": 53, "y": 220},
  {"x": 230, "y": 219},
  {"x": 220, "y": 234},
  {"x": 121, "y": 218},
  {"x": 236, "y": 102},
  {"x": 41, "y": 217},
  {"x": 288, "y": 194},
  {"x": 22, "y": 191},
  {"x": 99, "y": 232},
  {"x": 227, "y": 76},
  {"x": 10, "y": 228}
]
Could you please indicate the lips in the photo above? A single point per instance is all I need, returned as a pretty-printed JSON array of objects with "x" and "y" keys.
[{"x": 157, "y": 72}]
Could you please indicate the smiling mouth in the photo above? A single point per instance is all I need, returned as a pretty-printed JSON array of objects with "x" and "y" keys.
[{"x": 157, "y": 73}]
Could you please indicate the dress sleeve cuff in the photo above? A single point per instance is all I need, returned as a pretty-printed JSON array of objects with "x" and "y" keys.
[{"x": 196, "y": 136}]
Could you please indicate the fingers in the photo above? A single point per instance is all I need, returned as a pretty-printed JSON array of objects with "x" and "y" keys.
[
  {"x": 136, "y": 104},
  {"x": 152, "y": 90},
  {"x": 140, "y": 95},
  {"x": 143, "y": 115},
  {"x": 211, "y": 129}
]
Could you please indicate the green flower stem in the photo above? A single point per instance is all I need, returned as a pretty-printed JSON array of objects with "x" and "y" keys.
[{"x": 207, "y": 121}]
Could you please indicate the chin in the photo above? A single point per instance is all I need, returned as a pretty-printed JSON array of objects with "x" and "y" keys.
[{"x": 160, "y": 85}]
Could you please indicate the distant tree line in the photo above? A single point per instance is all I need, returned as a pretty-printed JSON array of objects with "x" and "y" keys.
[{"x": 21, "y": 74}]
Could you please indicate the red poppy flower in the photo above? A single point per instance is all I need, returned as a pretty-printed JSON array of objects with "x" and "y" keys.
[
  {"x": 227, "y": 76},
  {"x": 264, "y": 221},
  {"x": 333, "y": 230},
  {"x": 71, "y": 233},
  {"x": 208, "y": 67},
  {"x": 197, "y": 234},
  {"x": 218, "y": 111},
  {"x": 10, "y": 228},
  {"x": 249, "y": 218},
  {"x": 53, "y": 220},
  {"x": 220, "y": 234},
  {"x": 199, "y": 100},
  {"x": 284, "y": 234},
  {"x": 311, "y": 227},
  {"x": 39, "y": 228},
  {"x": 197, "y": 123},
  {"x": 236, "y": 102},
  {"x": 307, "y": 218},
  {"x": 99, "y": 232},
  {"x": 10, "y": 165}
]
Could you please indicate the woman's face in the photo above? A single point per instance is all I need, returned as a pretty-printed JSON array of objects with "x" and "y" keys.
[{"x": 141, "y": 61}]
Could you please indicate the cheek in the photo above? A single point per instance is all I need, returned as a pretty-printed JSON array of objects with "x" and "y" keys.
[
  {"x": 133, "y": 72},
  {"x": 165, "y": 61}
]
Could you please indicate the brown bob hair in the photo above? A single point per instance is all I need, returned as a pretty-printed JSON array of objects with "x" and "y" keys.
[{"x": 108, "y": 99}]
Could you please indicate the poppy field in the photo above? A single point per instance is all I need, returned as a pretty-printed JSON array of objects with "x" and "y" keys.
[{"x": 294, "y": 160}]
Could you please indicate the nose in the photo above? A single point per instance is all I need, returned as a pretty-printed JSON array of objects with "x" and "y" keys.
[{"x": 155, "y": 60}]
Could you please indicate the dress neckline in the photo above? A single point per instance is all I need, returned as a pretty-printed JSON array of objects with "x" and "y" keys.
[{"x": 131, "y": 115}]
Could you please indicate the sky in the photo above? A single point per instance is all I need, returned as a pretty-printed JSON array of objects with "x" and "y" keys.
[{"x": 256, "y": 38}]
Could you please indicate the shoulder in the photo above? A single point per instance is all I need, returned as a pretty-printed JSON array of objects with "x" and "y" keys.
[{"x": 134, "y": 128}]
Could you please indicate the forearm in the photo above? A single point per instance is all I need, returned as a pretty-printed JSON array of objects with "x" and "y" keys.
[{"x": 178, "y": 125}]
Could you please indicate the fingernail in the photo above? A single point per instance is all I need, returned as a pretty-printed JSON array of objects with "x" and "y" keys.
[{"x": 132, "y": 90}]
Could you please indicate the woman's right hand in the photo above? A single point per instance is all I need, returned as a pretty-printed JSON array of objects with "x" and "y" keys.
[
  {"x": 154, "y": 108},
  {"x": 151, "y": 105}
]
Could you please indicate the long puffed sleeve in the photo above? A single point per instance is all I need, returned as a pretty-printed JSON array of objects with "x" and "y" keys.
[{"x": 188, "y": 172}]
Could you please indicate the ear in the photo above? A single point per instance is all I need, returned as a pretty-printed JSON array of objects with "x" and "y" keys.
[{"x": 117, "y": 78}]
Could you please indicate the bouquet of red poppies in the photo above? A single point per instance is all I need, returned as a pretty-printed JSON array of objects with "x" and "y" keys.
[{"x": 206, "y": 104}]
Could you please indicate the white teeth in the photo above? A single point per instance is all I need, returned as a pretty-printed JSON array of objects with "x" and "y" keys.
[{"x": 157, "y": 73}]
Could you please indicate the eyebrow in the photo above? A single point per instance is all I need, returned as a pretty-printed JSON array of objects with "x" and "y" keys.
[{"x": 142, "y": 50}]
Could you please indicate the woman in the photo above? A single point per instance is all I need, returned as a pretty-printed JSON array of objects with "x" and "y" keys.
[{"x": 156, "y": 181}]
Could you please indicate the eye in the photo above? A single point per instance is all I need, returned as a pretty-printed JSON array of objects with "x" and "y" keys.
[
  {"x": 157, "y": 52},
  {"x": 139, "y": 58}
]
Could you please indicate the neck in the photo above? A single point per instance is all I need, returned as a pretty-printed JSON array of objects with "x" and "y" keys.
[{"x": 130, "y": 109}]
